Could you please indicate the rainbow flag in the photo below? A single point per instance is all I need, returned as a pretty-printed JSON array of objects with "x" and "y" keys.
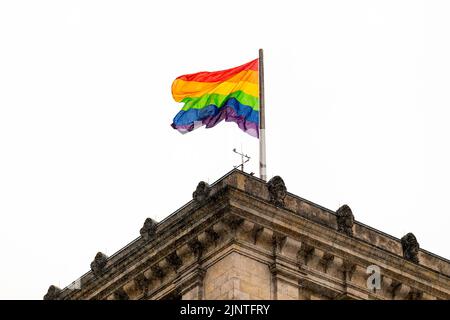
[{"x": 210, "y": 97}]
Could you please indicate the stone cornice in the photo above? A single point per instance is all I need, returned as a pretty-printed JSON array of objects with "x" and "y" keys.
[
  {"x": 322, "y": 237},
  {"x": 295, "y": 234}
]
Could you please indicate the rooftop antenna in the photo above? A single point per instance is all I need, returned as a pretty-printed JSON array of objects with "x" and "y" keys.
[{"x": 244, "y": 159}]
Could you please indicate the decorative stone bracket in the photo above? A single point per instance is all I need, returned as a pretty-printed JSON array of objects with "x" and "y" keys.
[
  {"x": 278, "y": 242},
  {"x": 398, "y": 290},
  {"x": 142, "y": 283},
  {"x": 348, "y": 268},
  {"x": 256, "y": 232},
  {"x": 120, "y": 294},
  {"x": 233, "y": 223},
  {"x": 158, "y": 272},
  {"x": 326, "y": 260},
  {"x": 174, "y": 261},
  {"x": 305, "y": 253},
  {"x": 197, "y": 248}
]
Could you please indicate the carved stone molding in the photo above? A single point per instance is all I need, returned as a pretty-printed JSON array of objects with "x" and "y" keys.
[
  {"x": 398, "y": 290},
  {"x": 393, "y": 286},
  {"x": 256, "y": 231},
  {"x": 345, "y": 220},
  {"x": 174, "y": 260},
  {"x": 303, "y": 290},
  {"x": 278, "y": 242},
  {"x": 415, "y": 295},
  {"x": 148, "y": 230},
  {"x": 142, "y": 283},
  {"x": 326, "y": 260},
  {"x": 120, "y": 294},
  {"x": 348, "y": 269},
  {"x": 305, "y": 253},
  {"x": 194, "y": 281},
  {"x": 342, "y": 296},
  {"x": 233, "y": 222},
  {"x": 52, "y": 293},
  {"x": 157, "y": 272},
  {"x": 410, "y": 247},
  {"x": 212, "y": 236},
  {"x": 277, "y": 191},
  {"x": 202, "y": 192},
  {"x": 273, "y": 269},
  {"x": 99, "y": 263},
  {"x": 197, "y": 248},
  {"x": 219, "y": 194},
  {"x": 175, "y": 294},
  {"x": 246, "y": 236}
]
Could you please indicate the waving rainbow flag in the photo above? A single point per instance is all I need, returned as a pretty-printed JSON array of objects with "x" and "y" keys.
[{"x": 210, "y": 97}]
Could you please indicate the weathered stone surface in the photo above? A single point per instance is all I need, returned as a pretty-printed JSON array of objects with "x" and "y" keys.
[
  {"x": 158, "y": 272},
  {"x": 197, "y": 248},
  {"x": 410, "y": 247},
  {"x": 239, "y": 246},
  {"x": 305, "y": 252},
  {"x": 53, "y": 293},
  {"x": 174, "y": 261},
  {"x": 142, "y": 283},
  {"x": 120, "y": 294},
  {"x": 99, "y": 263},
  {"x": 202, "y": 192},
  {"x": 148, "y": 230},
  {"x": 326, "y": 260},
  {"x": 277, "y": 191},
  {"x": 345, "y": 220},
  {"x": 236, "y": 277}
]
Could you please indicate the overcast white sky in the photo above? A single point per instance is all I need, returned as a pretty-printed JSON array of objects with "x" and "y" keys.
[{"x": 358, "y": 106}]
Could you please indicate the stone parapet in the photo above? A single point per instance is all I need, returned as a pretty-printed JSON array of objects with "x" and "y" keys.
[{"x": 242, "y": 238}]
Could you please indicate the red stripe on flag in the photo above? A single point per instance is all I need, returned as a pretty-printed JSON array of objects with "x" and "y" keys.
[{"x": 218, "y": 76}]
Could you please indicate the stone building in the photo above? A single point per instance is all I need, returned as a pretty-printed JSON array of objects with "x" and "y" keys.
[{"x": 243, "y": 238}]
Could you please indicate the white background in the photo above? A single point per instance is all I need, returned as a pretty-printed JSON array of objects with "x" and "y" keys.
[{"x": 357, "y": 96}]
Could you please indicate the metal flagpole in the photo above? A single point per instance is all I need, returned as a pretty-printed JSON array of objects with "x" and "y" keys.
[{"x": 262, "y": 124}]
